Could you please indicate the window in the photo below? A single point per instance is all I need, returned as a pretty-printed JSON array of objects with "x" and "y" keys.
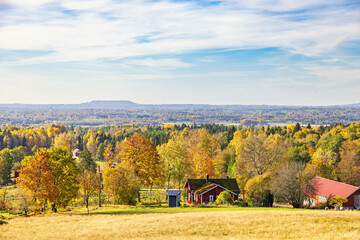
[{"x": 211, "y": 198}]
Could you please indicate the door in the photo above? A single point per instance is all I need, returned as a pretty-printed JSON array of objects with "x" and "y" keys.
[
  {"x": 172, "y": 201},
  {"x": 357, "y": 200}
]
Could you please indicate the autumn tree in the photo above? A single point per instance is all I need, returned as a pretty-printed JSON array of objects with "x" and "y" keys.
[
  {"x": 100, "y": 152},
  {"x": 6, "y": 164},
  {"x": 259, "y": 154},
  {"x": 65, "y": 173},
  {"x": 36, "y": 178},
  {"x": 91, "y": 144},
  {"x": 108, "y": 154},
  {"x": 256, "y": 187},
  {"x": 221, "y": 163},
  {"x": 140, "y": 153},
  {"x": 348, "y": 169},
  {"x": 121, "y": 183},
  {"x": 287, "y": 185},
  {"x": 202, "y": 164},
  {"x": 87, "y": 178},
  {"x": 174, "y": 157}
]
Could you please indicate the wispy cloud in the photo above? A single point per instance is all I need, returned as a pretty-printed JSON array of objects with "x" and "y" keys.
[{"x": 78, "y": 30}]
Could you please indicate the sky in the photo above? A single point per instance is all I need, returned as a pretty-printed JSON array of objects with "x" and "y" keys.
[{"x": 285, "y": 52}]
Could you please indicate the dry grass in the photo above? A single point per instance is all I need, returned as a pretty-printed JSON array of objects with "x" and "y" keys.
[{"x": 252, "y": 224}]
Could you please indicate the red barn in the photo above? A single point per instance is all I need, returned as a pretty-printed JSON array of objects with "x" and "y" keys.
[
  {"x": 322, "y": 189},
  {"x": 207, "y": 190}
]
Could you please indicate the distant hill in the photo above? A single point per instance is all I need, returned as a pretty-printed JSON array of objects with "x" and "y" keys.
[
  {"x": 129, "y": 105},
  {"x": 97, "y": 104}
]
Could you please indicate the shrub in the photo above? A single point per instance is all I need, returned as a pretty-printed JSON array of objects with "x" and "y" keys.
[
  {"x": 238, "y": 203},
  {"x": 195, "y": 204},
  {"x": 255, "y": 189},
  {"x": 337, "y": 200},
  {"x": 223, "y": 197},
  {"x": 322, "y": 205}
]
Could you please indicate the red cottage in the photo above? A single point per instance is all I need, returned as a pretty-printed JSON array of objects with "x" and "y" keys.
[
  {"x": 321, "y": 189},
  {"x": 206, "y": 190}
]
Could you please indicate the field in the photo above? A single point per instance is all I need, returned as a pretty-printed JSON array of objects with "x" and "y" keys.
[{"x": 187, "y": 223}]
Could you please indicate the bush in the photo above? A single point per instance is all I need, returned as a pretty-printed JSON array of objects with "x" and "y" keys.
[
  {"x": 148, "y": 203},
  {"x": 238, "y": 203},
  {"x": 195, "y": 204},
  {"x": 255, "y": 189},
  {"x": 337, "y": 200},
  {"x": 268, "y": 198},
  {"x": 322, "y": 205},
  {"x": 223, "y": 197},
  {"x": 5, "y": 205}
]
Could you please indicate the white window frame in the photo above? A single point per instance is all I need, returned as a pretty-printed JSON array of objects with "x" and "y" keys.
[{"x": 211, "y": 198}]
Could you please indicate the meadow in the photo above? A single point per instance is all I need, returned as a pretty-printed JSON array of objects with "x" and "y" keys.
[{"x": 186, "y": 223}]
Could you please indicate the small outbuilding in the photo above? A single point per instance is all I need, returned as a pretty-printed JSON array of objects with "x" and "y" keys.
[
  {"x": 319, "y": 190},
  {"x": 76, "y": 152},
  {"x": 173, "y": 197}
]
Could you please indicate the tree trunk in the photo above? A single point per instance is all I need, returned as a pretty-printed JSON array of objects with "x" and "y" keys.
[
  {"x": 53, "y": 207},
  {"x": 150, "y": 193},
  {"x": 168, "y": 183},
  {"x": 87, "y": 203}
]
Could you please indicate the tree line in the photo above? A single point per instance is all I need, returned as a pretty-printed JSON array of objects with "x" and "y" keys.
[{"x": 265, "y": 161}]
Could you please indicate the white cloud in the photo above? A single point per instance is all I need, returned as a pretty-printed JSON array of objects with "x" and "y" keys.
[
  {"x": 115, "y": 30},
  {"x": 159, "y": 63}
]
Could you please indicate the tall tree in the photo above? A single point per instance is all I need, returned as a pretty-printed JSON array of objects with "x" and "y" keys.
[
  {"x": 87, "y": 178},
  {"x": 175, "y": 159},
  {"x": 259, "y": 154},
  {"x": 65, "y": 173},
  {"x": 140, "y": 153},
  {"x": 100, "y": 152},
  {"x": 121, "y": 183},
  {"x": 288, "y": 184},
  {"x": 6, "y": 164},
  {"x": 348, "y": 169},
  {"x": 36, "y": 178}
]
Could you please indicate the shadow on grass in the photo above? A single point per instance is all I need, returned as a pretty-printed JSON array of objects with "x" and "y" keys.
[
  {"x": 2, "y": 222},
  {"x": 165, "y": 209}
]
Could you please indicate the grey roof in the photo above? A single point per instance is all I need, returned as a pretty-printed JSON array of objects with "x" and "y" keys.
[{"x": 173, "y": 192}]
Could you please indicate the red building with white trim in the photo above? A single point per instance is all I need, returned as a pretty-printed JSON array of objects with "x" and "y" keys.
[
  {"x": 207, "y": 190},
  {"x": 321, "y": 189}
]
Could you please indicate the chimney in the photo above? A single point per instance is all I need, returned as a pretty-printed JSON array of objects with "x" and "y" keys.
[{"x": 207, "y": 177}]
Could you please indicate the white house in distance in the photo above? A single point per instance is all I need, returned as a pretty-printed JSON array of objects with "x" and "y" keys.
[{"x": 321, "y": 189}]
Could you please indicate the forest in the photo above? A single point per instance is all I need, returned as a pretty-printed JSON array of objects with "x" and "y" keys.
[
  {"x": 264, "y": 160},
  {"x": 99, "y": 113}
]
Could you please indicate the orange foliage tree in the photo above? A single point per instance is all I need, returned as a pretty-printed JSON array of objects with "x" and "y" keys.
[
  {"x": 140, "y": 153},
  {"x": 36, "y": 178}
]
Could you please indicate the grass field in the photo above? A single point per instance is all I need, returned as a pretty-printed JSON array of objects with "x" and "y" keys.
[{"x": 187, "y": 223}]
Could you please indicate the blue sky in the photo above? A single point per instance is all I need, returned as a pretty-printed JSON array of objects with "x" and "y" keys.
[{"x": 216, "y": 52}]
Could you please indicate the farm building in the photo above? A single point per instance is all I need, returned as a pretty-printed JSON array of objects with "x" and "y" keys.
[
  {"x": 76, "y": 152},
  {"x": 319, "y": 190},
  {"x": 206, "y": 190},
  {"x": 173, "y": 198}
]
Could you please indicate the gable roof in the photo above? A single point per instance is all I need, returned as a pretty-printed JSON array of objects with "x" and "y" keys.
[
  {"x": 228, "y": 183},
  {"x": 173, "y": 192},
  {"x": 207, "y": 186},
  {"x": 76, "y": 150},
  {"x": 329, "y": 188}
]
